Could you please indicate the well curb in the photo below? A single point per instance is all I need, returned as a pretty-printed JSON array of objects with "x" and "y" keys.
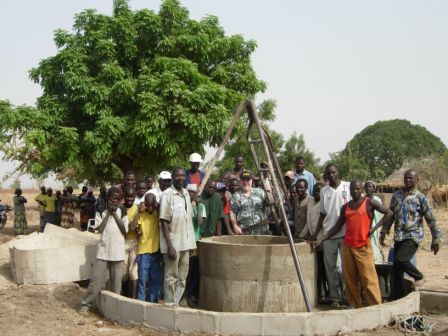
[{"x": 185, "y": 320}]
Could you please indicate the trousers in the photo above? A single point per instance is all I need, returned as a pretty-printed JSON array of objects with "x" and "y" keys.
[
  {"x": 333, "y": 247},
  {"x": 148, "y": 284},
  {"x": 103, "y": 270},
  {"x": 359, "y": 272},
  {"x": 175, "y": 276},
  {"x": 404, "y": 251}
]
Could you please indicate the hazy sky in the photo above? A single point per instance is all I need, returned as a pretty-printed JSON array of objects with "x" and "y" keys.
[{"x": 334, "y": 67}]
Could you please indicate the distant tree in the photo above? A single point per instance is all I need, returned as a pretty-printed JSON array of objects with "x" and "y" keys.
[
  {"x": 239, "y": 145},
  {"x": 432, "y": 170},
  {"x": 383, "y": 147},
  {"x": 294, "y": 147},
  {"x": 349, "y": 165},
  {"x": 15, "y": 184},
  {"x": 136, "y": 90}
]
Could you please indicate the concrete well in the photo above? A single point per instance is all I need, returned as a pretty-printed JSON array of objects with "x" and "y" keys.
[{"x": 254, "y": 274}]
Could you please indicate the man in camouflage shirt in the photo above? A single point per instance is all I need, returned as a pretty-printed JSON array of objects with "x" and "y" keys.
[
  {"x": 248, "y": 206},
  {"x": 409, "y": 206}
]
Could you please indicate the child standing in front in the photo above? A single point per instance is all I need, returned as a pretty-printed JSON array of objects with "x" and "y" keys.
[
  {"x": 112, "y": 223},
  {"x": 145, "y": 220},
  {"x": 130, "y": 271}
]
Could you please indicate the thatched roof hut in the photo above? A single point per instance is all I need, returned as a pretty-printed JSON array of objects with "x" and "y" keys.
[
  {"x": 428, "y": 182},
  {"x": 395, "y": 180}
]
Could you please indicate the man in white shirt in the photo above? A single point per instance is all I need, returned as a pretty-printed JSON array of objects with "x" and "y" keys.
[
  {"x": 112, "y": 223},
  {"x": 176, "y": 237},
  {"x": 332, "y": 197},
  {"x": 313, "y": 215}
]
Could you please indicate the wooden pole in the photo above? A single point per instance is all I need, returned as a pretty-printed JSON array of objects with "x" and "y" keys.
[
  {"x": 236, "y": 116},
  {"x": 250, "y": 105},
  {"x": 271, "y": 157}
]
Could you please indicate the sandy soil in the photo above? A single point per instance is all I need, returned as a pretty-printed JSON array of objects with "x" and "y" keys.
[{"x": 53, "y": 309}]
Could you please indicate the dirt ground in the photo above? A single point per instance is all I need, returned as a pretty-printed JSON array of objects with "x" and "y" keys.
[{"x": 53, "y": 309}]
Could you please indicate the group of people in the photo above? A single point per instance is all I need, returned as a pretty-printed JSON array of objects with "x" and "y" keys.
[
  {"x": 60, "y": 208},
  {"x": 149, "y": 233},
  {"x": 342, "y": 222}
]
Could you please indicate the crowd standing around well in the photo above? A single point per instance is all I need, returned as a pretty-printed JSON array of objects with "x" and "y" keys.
[{"x": 148, "y": 233}]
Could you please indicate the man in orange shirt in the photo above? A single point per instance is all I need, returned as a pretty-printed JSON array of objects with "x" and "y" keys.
[{"x": 358, "y": 263}]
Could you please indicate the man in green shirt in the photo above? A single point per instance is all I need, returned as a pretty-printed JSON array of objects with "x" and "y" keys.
[
  {"x": 211, "y": 226},
  {"x": 199, "y": 213}
]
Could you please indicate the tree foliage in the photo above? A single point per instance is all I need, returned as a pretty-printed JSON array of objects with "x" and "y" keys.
[
  {"x": 134, "y": 90},
  {"x": 286, "y": 152},
  {"x": 294, "y": 147},
  {"x": 432, "y": 170},
  {"x": 350, "y": 166},
  {"x": 383, "y": 147},
  {"x": 15, "y": 183}
]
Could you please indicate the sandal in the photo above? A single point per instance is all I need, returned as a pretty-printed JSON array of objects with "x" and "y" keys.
[{"x": 419, "y": 283}]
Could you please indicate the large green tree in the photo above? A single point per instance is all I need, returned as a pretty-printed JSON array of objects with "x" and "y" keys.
[
  {"x": 135, "y": 90},
  {"x": 383, "y": 147},
  {"x": 350, "y": 165}
]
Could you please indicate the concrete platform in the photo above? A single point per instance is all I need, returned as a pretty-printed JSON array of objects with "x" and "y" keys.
[
  {"x": 434, "y": 301},
  {"x": 57, "y": 255},
  {"x": 138, "y": 313}
]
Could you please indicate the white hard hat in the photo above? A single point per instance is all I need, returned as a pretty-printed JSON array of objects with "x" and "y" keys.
[
  {"x": 165, "y": 175},
  {"x": 195, "y": 157}
]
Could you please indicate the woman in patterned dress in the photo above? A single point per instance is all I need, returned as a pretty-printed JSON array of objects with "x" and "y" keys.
[
  {"x": 20, "y": 223},
  {"x": 68, "y": 208}
]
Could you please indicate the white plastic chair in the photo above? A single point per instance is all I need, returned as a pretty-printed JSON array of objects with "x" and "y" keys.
[{"x": 91, "y": 224}]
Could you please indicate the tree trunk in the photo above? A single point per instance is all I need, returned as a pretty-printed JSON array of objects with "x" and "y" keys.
[{"x": 126, "y": 164}]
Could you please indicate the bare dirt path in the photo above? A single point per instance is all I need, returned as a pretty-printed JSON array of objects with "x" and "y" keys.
[{"x": 50, "y": 310}]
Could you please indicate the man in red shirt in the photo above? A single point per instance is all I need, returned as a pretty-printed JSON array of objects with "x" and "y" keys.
[
  {"x": 358, "y": 263},
  {"x": 226, "y": 220}
]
